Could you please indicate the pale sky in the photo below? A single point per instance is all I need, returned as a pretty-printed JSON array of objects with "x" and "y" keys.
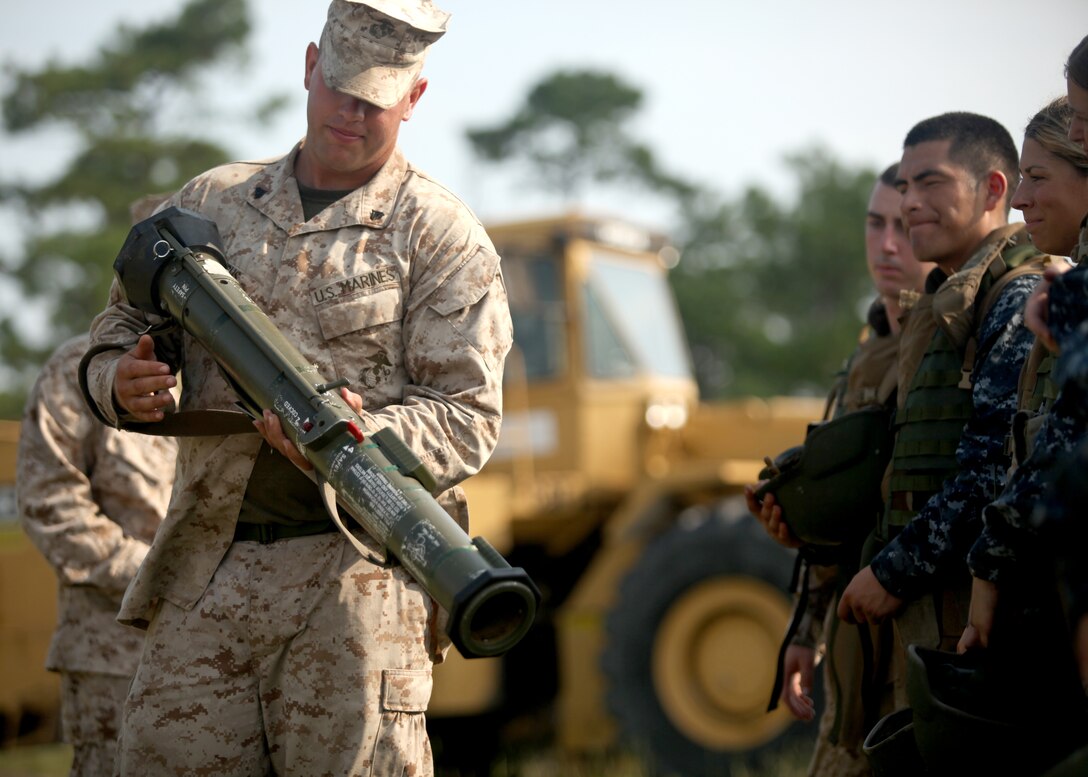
[{"x": 729, "y": 87}]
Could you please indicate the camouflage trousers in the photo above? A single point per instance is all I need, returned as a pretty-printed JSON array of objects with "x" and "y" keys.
[
  {"x": 90, "y": 719},
  {"x": 301, "y": 658},
  {"x": 843, "y": 723}
]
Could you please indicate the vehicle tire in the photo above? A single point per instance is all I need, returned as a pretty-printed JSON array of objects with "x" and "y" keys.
[{"x": 692, "y": 642}]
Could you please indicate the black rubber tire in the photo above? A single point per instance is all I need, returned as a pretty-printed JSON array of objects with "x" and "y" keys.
[{"x": 724, "y": 549}]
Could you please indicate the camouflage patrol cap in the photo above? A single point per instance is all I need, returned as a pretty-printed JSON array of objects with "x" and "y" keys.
[{"x": 374, "y": 50}]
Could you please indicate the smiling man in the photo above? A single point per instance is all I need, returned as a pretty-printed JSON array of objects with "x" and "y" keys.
[
  {"x": 960, "y": 357},
  {"x": 273, "y": 647}
]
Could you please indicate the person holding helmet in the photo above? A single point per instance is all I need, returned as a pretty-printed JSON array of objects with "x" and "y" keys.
[{"x": 867, "y": 383}]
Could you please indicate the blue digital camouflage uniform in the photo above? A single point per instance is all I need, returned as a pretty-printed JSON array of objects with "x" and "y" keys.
[
  {"x": 1032, "y": 543},
  {"x": 1060, "y": 516},
  {"x": 1007, "y": 551},
  {"x": 849, "y": 664},
  {"x": 934, "y": 545}
]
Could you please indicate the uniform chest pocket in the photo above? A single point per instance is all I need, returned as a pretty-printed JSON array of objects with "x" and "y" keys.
[{"x": 364, "y": 311}]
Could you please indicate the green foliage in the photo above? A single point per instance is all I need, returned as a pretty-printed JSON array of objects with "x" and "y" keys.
[
  {"x": 570, "y": 131},
  {"x": 104, "y": 95},
  {"x": 770, "y": 293},
  {"x": 111, "y": 172},
  {"x": 75, "y": 223}
]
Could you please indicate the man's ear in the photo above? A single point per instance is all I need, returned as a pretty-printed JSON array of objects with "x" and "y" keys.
[
  {"x": 417, "y": 90},
  {"x": 997, "y": 188},
  {"x": 311, "y": 63}
]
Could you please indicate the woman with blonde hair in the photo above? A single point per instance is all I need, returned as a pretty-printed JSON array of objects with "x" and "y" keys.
[{"x": 1021, "y": 563}]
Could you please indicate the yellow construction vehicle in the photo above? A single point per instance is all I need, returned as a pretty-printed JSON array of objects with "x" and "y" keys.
[
  {"x": 29, "y": 695},
  {"x": 618, "y": 490}
]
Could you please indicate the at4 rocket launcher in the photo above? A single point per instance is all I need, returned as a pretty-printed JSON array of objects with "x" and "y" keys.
[{"x": 172, "y": 265}]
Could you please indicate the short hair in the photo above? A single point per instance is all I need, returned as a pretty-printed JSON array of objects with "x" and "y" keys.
[
  {"x": 1050, "y": 129},
  {"x": 891, "y": 172},
  {"x": 979, "y": 144},
  {"x": 1076, "y": 67}
]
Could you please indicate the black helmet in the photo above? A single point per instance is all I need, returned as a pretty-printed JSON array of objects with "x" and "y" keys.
[
  {"x": 829, "y": 488},
  {"x": 891, "y": 749},
  {"x": 976, "y": 714}
]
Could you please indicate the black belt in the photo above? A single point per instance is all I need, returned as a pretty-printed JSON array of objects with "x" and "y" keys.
[{"x": 265, "y": 533}]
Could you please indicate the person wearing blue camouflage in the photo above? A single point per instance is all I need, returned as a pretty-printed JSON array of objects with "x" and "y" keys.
[
  {"x": 1067, "y": 302},
  {"x": 1012, "y": 565},
  {"x": 1030, "y": 593},
  {"x": 1006, "y": 560},
  {"x": 867, "y": 380},
  {"x": 961, "y": 352}
]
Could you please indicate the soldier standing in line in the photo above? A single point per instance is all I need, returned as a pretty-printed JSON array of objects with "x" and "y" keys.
[
  {"x": 1013, "y": 607},
  {"x": 1063, "y": 514},
  {"x": 90, "y": 498},
  {"x": 1006, "y": 559},
  {"x": 961, "y": 351},
  {"x": 868, "y": 380}
]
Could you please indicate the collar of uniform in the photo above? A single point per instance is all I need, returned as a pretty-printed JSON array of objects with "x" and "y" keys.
[
  {"x": 997, "y": 240},
  {"x": 995, "y": 243},
  {"x": 371, "y": 205},
  {"x": 934, "y": 280},
  {"x": 275, "y": 194}
]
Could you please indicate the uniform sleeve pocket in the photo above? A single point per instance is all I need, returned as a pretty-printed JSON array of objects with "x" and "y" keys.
[
  {"x": 340, "y": 318},
  {"x": 468, "y": 284},
  {"x": 406, "y": 690}
]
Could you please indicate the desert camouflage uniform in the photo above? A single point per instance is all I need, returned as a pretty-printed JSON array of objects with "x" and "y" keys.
[
  {"x": 90, "y": 498},
  {"x": 930, "y": 551},
  {"x": 842, "y": 722},
  {"x": 300, "y": 656}
]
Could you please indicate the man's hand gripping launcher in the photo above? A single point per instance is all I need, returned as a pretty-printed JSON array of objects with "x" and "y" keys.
[{"x": 172, "y": 264}]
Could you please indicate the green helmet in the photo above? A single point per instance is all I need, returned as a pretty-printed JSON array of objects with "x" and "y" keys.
[
  {"x": 975, "y": 714},
  {"x": 891, "y": 749},
  {"x": 829, "y": 488}
]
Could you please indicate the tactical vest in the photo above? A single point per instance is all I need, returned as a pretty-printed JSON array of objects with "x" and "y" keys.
[
  {"x": 870, "y": 377},
  {"x": 829, "y": 487},
  {"x": 863, "y": 389},
  {"x": 1036, "y": 390},
  {"x": 936, "y": 359}
]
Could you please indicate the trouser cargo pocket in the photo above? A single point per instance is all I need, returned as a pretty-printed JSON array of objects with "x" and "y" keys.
[{"x": 402, "y": 739}]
